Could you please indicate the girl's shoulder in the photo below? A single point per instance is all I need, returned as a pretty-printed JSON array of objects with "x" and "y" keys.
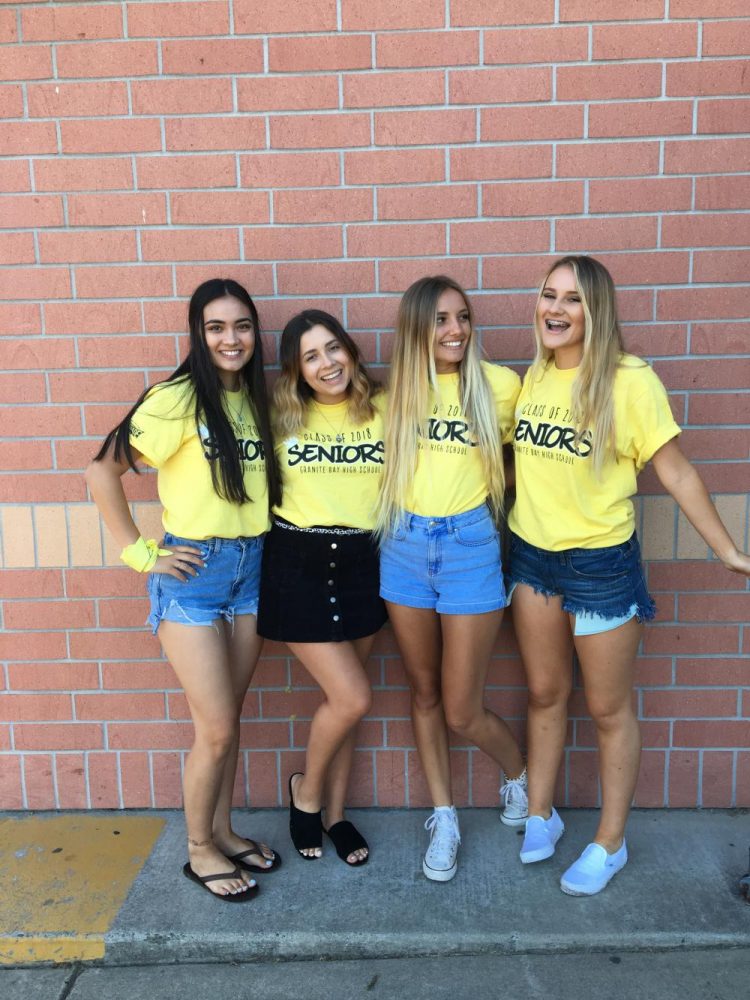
[
  {"x": 500, "y": 377},
  {"x": 175, "y": 398}
]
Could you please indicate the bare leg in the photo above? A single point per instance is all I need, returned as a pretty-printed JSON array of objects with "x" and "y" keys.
[
  {"x": 419, "y": 638},
  {"x": 544, "y": 638},
  {"x": 467, "y": 647},
  {"x": 608, "y": 667},
  {"x": 200, "y": 660},
  {"x": 338, "y": 669}
]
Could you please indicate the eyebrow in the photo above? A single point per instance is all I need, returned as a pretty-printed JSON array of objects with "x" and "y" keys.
[
  {"x": 567, "y": 291},
  {"x": 223, "y": 322}
]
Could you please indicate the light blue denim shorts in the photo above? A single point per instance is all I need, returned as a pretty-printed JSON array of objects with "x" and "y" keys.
[
  {"x": 450, "y": 564},
  {"x": 226, "y": 585}
]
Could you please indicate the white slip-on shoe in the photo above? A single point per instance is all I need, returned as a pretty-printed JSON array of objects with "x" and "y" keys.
[
  {"x": 540, "y": 837},
  {"x": 514, "y": 800},
  {"x": 593, "y": 870},
  {"x": 440, "y": 862}
]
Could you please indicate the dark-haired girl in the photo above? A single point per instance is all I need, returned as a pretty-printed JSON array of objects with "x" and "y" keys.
[
  {"x": 206, "y": 430},
  {"x": 319, "y": 583}
]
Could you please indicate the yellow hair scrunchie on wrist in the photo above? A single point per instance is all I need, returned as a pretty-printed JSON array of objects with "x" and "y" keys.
[{"x": 142, "y": 555}]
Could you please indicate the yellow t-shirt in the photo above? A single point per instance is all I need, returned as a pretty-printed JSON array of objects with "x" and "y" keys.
[
  {"x": 331, "y": 469},
  {"x": 560, "y": 502},
  {"x": 163, "y": 430},
  {"x": 449, "y": 478}
]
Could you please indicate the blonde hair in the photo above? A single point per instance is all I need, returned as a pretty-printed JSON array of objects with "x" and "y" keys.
[
  {"x": 413, "y": 376},
  {"x": 292, "y": 394},
  {"x": 591, "y": 402}
]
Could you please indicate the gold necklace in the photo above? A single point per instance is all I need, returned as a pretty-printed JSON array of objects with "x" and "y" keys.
[{"x": 337, "y": 433}]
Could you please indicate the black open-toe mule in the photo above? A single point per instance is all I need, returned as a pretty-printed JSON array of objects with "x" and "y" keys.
[
  {"x": 305, "y": 829},
  {"x": 347, "y": 839}
]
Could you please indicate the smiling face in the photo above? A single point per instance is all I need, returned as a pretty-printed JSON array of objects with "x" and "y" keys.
[
  {"x": 325, "y": 365},
  {"x": 230, "y": 338},
  {"x": 560, "y": 317},
  {"x": 452, "y": 332}
]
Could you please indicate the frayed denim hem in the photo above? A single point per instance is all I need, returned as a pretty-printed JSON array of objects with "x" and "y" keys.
[{"x": 645, "y": 611}]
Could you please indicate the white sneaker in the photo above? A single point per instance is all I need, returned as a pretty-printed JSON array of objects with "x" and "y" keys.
[
  {"x": 541, "y": 837},
  {"x": 593, "y": 870},
  {"x": 440, "y": 862},
  {"x": 514, "y": 800}
]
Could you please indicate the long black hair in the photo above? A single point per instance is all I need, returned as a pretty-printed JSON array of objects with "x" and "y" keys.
[{"x": 202, "y": 379}]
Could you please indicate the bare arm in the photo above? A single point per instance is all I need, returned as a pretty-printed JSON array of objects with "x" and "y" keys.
[
  {"x": 683, "y": 482},
  {"x": 104, "y": 479}
]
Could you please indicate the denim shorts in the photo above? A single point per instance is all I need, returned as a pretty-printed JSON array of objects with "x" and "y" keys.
[
  {"x": 450, "y": 564},
  {"x": 602, "y": 587},
  {"x": 226, "y": 585}
]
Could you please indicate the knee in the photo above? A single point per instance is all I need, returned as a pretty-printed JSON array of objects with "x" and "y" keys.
[
  {"x": 426, "y": 697},
  {"x": 611, "y": 715},
  {"x": 354, "y": 706},
  {"x": 549, "y": 695},
  {"x": 217, "y": 738},
  {"x": 461, "y": 718}
]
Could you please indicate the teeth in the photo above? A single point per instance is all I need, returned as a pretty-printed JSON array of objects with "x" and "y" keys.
[
  {"x": 327, "y": 378},
  {"x": 451, "y": 343}
]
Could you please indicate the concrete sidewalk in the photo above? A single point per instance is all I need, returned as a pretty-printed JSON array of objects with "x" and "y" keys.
[{"x": 110, "y": 890}]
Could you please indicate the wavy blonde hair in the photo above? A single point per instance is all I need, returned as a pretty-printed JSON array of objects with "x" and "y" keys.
[
  {"x": 413, "y": 377},
  {"x": 591, "y": 403},
  {"x": 292, "y": 394}
]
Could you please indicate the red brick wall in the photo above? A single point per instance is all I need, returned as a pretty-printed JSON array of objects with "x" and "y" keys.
[{"x": 330, "y": 151}]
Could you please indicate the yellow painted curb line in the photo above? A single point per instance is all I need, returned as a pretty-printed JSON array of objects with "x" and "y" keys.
[{"x": 64, "y": 880}]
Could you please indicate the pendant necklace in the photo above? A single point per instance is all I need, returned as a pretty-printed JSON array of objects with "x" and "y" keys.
[
  {"x": 235, "y": 415},
  {"x": 337, "y": 433}
]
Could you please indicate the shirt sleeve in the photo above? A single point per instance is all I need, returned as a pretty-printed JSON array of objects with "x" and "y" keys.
[
  {"x": 650, "y": 423},
  {"x": 159, "y": 426},
  {"x": 506, "y": 386}
]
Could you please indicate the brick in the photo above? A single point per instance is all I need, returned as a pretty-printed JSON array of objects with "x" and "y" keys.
[
  {"x": 52, "y": 676},
  {"x": 716, "y": 790},
  {"x": 720, "y": 608},
  {"x": 394, "y": 166},
  {"x": 700, "y": 79},
  {"x": 189, "y": 17},
  {"x": 120, "y": 582},
  {"x": 27, "y": 388},
  {"x": 77, "y": 100},
  {"x": 415, "y": 128},
  {"x": 611, "y": 10},
  {"x": 395, "y": 240},
  {"x": 531, "y": 122},
  {"x": 117, "y": 210},
  {"x": 186, "y": 171},
  {"x": 11, "y": 102},
  {"x": 506, "y": 86},
  {"x": 82, "y": 174},
  {"x": 70, "y": 772},
  {"x": 149, "y": 675},
  {"x": 722, "y": 338},
  {"x": 275, "y": 313},
  {"x": 38, "y": 781},
  {"x": 34, "y": 283},
  {"x": 547, "y": 199},
  {"x": 24, "y": 455},
  {"x": 89, "y": 247},
  {"x": 92, "y": 317},
  {"x": 721, "y": 38},
  {"x": 706, "y": 156},
  {"x": 8, "y": 27},
  {"x": 362, "y": 15},
  {"x": 722, "y": 115},
  {"x": 17, "y": 248},
  {"x": 536, "y": 45},
  {"x": 719, "y": 8},
  {"x": 10, "y": 781},
  {"x": 282, "y": 170},
  {"x": 21, "y": 138},
  {"x": 640, "y": 118},
  {"x": 318, "y": 53},
  {"x": 645, "y": 41},
  {"x": 325, "y": 205},
  {"x": 635, "y": 233},
  {"x": 188, "y": 57},
  {"x": 20, "y": 318},
  {"x": 178, "y": 97},
  {"x": 55, "y": 24},
  {"x": 428, "y": 202},
  {"x": 52, "y": 550},
  {"x": 724, "y": 733},
  {"x": 102, "y": 781},
  {"x": 287, "y": 93},
  {"x": 337, "y": 278},
  {"x": 261, "y": 17},
  {"x": 686, "y": 704},
  {"x": 689, "y": 639},
  {"x": 607, "y": 159},
  {"x": 257, "y": 278},
  {"x": 58, "y": 736},
  {"x": 664, "y": 339},
  {"x": 165, "y": 317},
  {"x": 436, "y": 48},
  {"x": 658, "y": 194},
  {"x": 702, "y": 303},
  {"x": 219, "y": 207},
  {"x": 699, "y": 230},
  {"x": 14, "y": 175},
  {"x": 470, "y": 13},
  {"x": 491, "y": 237},
  {"x": 118, "y": 135},
  {"x": 167, "y": 780},
  {"x": 111, "y": 707},
  {"x": 35, "y": 707},
  {"x": 35, "y": 421},
  {"x": 40, "y": 487},
  {"x": 683, "y": 779},
  {"x": 112, "y": 645},
  {"x": 496, "y": 162},
  {"x": 713, "y": 193},
  {"x": 596, "y": 83},
  {"x": 710, "y": 408},
  {"x": 649, "y": 792},
  {"x": 113, "y": 281},
  {"x": 150, "y": 735},
  {"x": 122, "y": 612},
  {"x": 18, "y": 536},
  {"x": 190, "y": 244},
  {"x": 281, "y": 243},
  {"x": 26, "y": 62},
  {"x": 107, "y": 59},
  {"x": 135, "y": 778},
  {"x": 393, "y": 89},
  {"x": 95, "y": 386},
  {"x": 320, "y": 131},
  {"x": 128, "y": 352}
]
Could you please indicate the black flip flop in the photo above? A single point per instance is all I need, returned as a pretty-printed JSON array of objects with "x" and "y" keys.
[
  {"x": 346, "y": 838},
  {"x": 229, "y": 897},
  {"x": 239, "y": 859},
  {"x": 305, "y": 829}
]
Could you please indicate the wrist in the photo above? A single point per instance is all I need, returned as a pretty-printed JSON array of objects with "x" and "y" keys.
[{"x": 141, "y": 556}]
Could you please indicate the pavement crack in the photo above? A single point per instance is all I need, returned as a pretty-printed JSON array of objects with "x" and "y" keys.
[{"x": 70, "y": 981}]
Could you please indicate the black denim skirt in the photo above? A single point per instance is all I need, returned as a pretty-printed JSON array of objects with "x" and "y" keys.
[{"x": 319, "y": 584}]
